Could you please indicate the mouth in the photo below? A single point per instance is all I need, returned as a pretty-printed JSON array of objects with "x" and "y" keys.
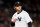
[{"x": 17, "y": 10}]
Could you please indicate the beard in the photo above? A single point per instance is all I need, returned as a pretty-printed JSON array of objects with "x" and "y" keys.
[{"x": 17, "y": 10}]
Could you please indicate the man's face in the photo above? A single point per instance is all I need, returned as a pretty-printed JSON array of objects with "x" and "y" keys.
[{"x": 18, "y": 8}]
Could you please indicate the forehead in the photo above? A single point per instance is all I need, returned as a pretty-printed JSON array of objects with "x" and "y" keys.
[{"x": 16, "y": 6}]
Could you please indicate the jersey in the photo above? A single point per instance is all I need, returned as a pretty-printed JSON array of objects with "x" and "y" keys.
[{"x": 23, "y": 19}]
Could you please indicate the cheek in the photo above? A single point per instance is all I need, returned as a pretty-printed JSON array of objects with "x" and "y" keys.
[{"x": 19, "y": 8}]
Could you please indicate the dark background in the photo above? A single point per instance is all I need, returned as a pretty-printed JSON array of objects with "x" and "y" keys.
[{"x": 31, "y": 6}]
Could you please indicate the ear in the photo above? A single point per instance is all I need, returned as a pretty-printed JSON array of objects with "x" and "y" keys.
[{"x": 14, "y": 8}]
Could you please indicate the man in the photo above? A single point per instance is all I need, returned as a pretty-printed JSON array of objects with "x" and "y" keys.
[{"x": 21, "y": 18}]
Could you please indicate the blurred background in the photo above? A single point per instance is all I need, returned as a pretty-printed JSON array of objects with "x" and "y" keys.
[{"x": 31, "y": 6}]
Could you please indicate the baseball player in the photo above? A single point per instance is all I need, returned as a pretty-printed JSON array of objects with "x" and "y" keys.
[{"x": 21, "y": 18}]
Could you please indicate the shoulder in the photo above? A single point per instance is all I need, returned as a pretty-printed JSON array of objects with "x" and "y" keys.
[
  {"x": 14, "y": 13},
  {"x": 25, "y": 12}
]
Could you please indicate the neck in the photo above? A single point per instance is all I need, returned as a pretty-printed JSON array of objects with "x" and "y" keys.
[{"x": 19, "y": 11}]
